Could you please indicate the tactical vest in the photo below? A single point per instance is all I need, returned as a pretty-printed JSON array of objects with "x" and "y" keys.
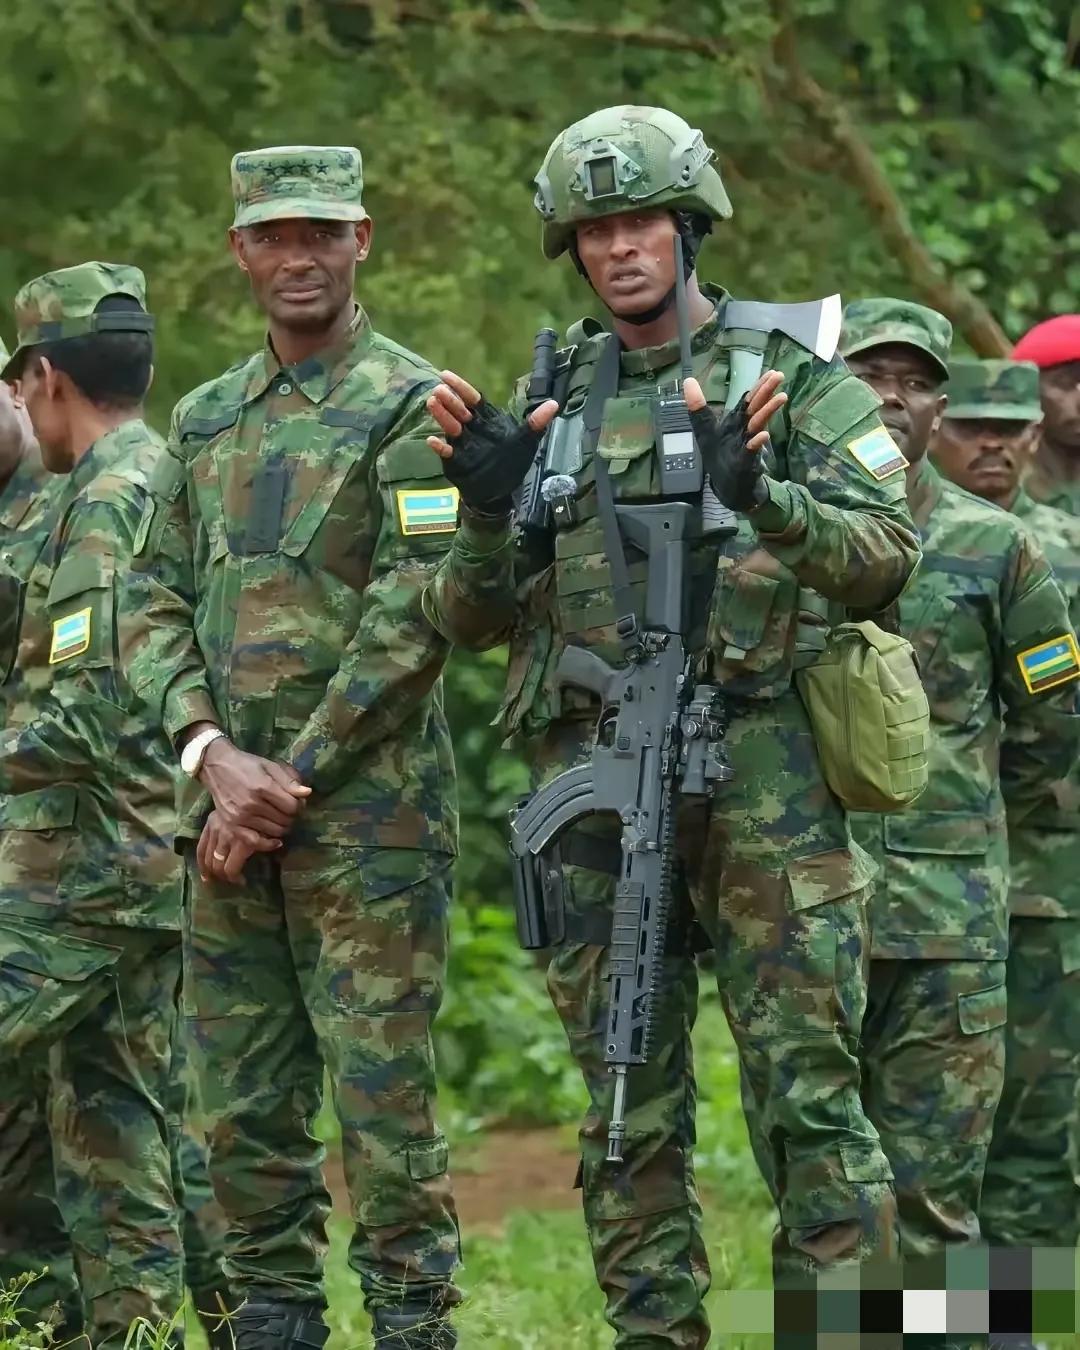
[{"x": 749, "y": 632}]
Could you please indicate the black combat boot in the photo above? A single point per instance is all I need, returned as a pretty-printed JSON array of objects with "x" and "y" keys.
[
  {"x": 419, "y": 1323},
  {"x": 278, "y": 1326}
]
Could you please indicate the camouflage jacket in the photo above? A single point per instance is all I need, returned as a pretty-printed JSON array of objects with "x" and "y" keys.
[
  {"x": 19, "y": 493},
  {"x": 88, "y": 775},
  {"x": 281, "y": 560},
  {"x": 978, "y": 611},
  {"x": 1044, "y": 485},
  {"x": 830, "y": 525},
  {"x": 1045, "y": 849}
]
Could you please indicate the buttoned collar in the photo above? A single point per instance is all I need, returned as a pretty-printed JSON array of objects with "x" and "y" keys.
[
  {"x": 652, "y": 360},
  {"x": 318, "y": 375}
]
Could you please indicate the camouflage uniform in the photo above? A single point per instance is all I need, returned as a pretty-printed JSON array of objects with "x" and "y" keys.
[
  {"x": 1030, "y": 1191},
  {"x": 32, "y": 1234},
  {"x": 933, "y": 1045},
  {"x": 298, "y": 630},
  {"x": 770, "y": 874},
  {"x": 89, "y": 887}
]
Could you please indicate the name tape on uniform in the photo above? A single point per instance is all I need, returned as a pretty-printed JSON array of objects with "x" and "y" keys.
[
  {"x": 427, "y": 510},
  {"x": 70, "y": 636},
  {"x": 1051, "y": 663},
  {"x": 878, "y": 454}
]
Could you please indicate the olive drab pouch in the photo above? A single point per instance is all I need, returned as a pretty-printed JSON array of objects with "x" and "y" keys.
[{"x": 870, "y": 717}]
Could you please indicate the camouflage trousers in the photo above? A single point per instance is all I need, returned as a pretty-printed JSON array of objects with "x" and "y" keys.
[
  {"x": 933, "y": 1055},
  {"x": 335, "y": 958},
  {"x": 100, "y": 1005},
  {"x": 782, "y": 899},
  {"x": 32, "y": 1232},
  {"x": 1031, "y": 1193}
]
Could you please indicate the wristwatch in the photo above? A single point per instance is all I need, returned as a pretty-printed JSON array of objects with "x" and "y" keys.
[{"x": 194, "y": 752}]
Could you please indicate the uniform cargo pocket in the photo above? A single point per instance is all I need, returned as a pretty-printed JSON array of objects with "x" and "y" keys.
[
  {"x": 48, "y": 980},
  {"x": 820, "y": 877},
  {"x": 982, "y": 1010},
  {"x": 947, "y": 832},
  {"x": 48, "y": 808},
  {"x": 428, "y": 1159},
  {"x": 865, "y": 1162}
]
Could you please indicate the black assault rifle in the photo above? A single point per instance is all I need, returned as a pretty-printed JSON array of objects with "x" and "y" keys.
[{"x": 659, "y": 739}]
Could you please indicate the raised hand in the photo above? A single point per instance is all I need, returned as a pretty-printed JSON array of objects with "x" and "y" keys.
[
  {"x": 486, "y": 453},
  {"x": 732, "y": 444}
]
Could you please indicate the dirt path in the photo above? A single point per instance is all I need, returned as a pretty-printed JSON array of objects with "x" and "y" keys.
[{"x": 505, "y": 1171}]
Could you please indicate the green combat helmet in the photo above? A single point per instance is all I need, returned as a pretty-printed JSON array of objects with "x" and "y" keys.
[
  {"x": 314, "y": 182},
  {"x": 63, "y": 304},
  {"x": 621, "y": 158},
  {"x": 1005, "y": 391}
]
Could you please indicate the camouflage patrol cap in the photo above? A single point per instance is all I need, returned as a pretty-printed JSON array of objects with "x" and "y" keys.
[
  {"x": 623, "y": 158},
  {"x": 876, "y": 322},
  {"x": 316, "y": 182},
  {"x": 1006, "y": 391},
  {"x": 62, "y": 305}
]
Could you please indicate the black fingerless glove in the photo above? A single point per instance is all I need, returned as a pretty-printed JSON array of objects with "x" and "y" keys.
[
  {"x": 491, "y": 457},
  {"x": 737, "y": 474}
]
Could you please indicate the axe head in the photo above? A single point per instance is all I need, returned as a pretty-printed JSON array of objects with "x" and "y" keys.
[{"x": 814, "y": 324}]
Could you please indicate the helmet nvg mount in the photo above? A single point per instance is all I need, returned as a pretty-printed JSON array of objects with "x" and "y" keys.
[{"x": 621, "y": 158}]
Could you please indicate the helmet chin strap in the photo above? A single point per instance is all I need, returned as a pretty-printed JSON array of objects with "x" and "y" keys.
[{"x": 693, "y": 227}]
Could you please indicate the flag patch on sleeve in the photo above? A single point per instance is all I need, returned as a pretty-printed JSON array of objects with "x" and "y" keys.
[
  {"x": 1051, "y": 663},
  {"x": 427, "y": 510},
  {"x": 878, "y": 454},
  {"x": 70, "y": 636}
]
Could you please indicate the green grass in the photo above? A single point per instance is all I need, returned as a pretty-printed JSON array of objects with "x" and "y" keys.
[{"x": 532, "y": 1286}]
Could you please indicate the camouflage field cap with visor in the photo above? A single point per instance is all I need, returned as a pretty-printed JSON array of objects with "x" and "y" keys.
[
  {"x": 63, "y": 304},
  {"x": 883, "y": 320},
  {"x": 620, "y": 158},
  {"x": 282, "y": 182},
  {"x": 994, "y": 390}
]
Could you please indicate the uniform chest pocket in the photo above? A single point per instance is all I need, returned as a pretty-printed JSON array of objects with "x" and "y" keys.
[
  {"x": 81, "y": 611},
  {"x": 337, "y": 447},
  {"x": 626, "y": 443},
  {"x": 949, "y": 633}
]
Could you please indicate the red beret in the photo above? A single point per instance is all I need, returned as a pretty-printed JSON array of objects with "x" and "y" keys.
[{"x": 1051, "y": 342}]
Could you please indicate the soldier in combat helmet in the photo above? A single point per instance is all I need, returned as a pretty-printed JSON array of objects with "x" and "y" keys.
[{"x": 770, "y": 873}]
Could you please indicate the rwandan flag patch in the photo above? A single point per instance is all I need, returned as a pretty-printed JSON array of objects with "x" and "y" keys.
[
  {"x": 70, "y": 636},
  {"x": 878, "y": 454},
  {"x": 1054, "y": 662},
  {"x": 427, "y": 510}
]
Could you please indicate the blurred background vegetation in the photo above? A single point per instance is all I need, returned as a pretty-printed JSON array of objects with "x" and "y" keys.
[{"x": 924, "y": 148}]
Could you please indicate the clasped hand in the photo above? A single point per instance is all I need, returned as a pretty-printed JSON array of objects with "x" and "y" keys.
[{"x": 256, "y": 802}]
